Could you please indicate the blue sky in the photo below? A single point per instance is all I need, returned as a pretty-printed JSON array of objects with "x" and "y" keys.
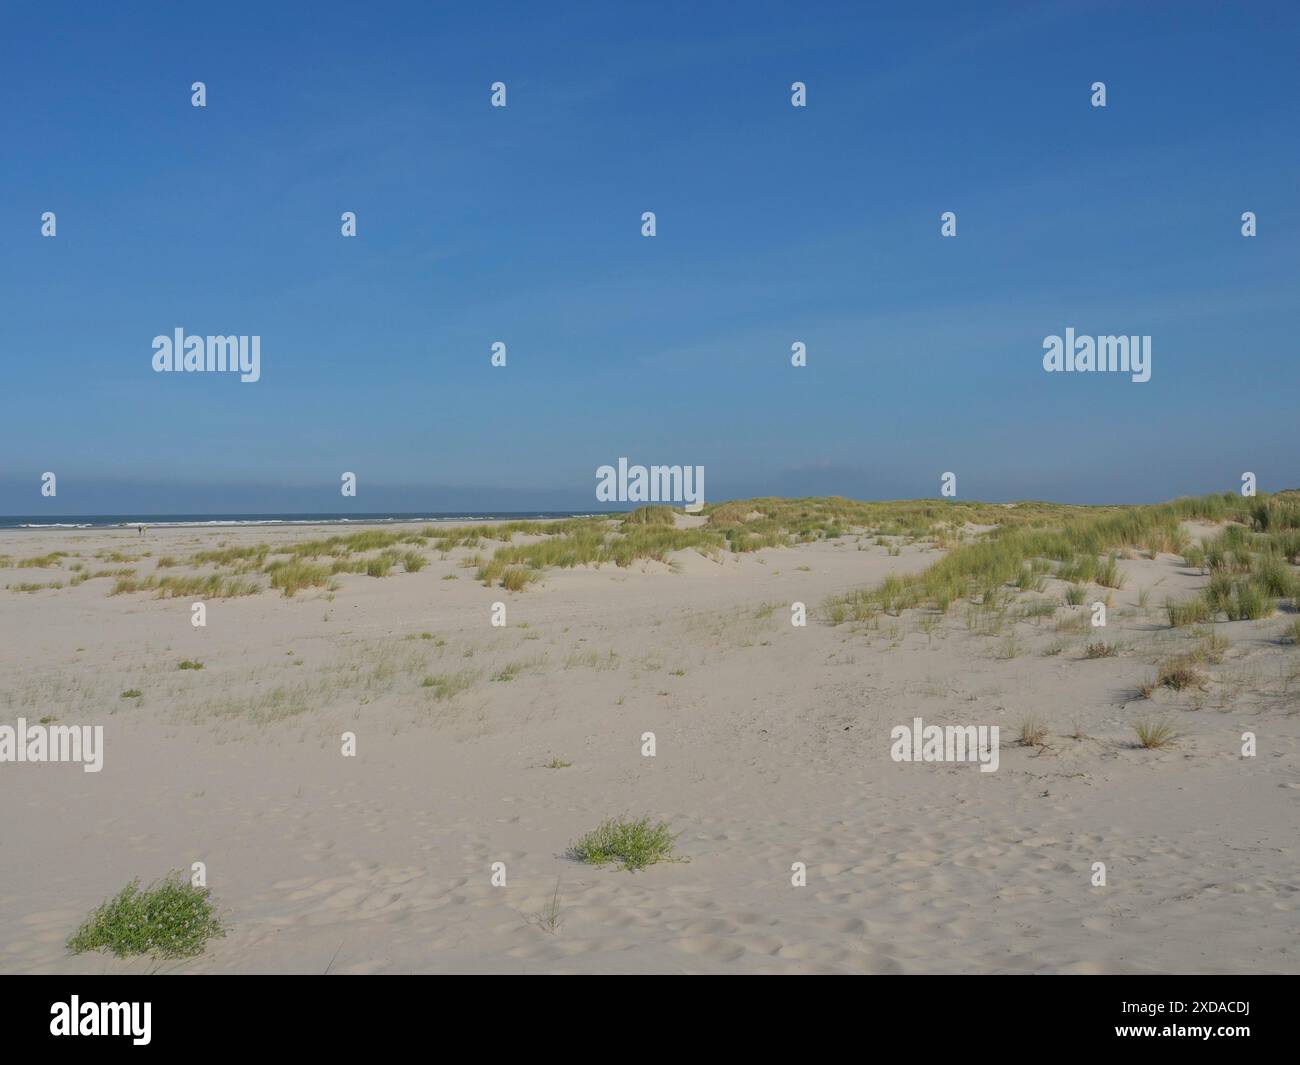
[{"x": 522, "y": 224}]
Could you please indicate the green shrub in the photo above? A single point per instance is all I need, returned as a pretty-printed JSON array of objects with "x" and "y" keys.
[
  {"x": 169, "y": 919},
  {"x": 634, "y": 844}
]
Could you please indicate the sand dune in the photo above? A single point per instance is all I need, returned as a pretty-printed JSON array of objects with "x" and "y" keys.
[{"x": 772, "y": 748}]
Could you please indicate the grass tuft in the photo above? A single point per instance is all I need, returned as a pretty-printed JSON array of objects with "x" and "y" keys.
[
  {"x": 634, "y": 844},
  {"x": 651, "y": 515},
  {"x": 1032, "y": 733},
  {"x": 449, "y": 685},
  {"x": 517, "y": 578},
  {"x": 1191, "y": 612},
  {"x": 1180, "y": 673},
  {"x": 1154, "y": 734}
]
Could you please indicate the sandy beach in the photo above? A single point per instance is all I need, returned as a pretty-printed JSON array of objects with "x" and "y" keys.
[{"x": 479, "y": 744}]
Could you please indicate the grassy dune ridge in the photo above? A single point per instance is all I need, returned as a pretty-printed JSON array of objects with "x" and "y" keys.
[
  {"x": 987, "y": 545},
  {"x": 1250, "y": 560}
]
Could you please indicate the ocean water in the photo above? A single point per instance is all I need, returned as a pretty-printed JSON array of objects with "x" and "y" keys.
[{"x": 166, "y": 521}]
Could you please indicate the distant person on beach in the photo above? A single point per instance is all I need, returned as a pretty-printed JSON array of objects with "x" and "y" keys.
[{"x": 141, "y": 530}]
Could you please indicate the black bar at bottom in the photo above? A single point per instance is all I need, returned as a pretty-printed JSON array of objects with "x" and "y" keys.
[{"x": 1222, "y": 1014}]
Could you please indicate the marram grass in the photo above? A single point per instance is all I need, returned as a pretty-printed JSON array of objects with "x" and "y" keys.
[{"x": 1154, "y": 734}]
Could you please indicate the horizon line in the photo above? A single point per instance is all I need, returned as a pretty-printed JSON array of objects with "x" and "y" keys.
[{"x": 593, "y": 512}]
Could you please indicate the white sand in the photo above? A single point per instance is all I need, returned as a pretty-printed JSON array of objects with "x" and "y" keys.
[{"x": 773, "y": 748}]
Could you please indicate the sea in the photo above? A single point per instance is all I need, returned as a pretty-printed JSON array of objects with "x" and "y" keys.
[{"x": 176, "y": 521}]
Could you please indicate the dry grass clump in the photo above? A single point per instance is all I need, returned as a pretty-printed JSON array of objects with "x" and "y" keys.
[
  {"x": 1181, "y": 673},
  {"x": 1154, "y": 734},
  {"x": 1032, "y": 733}
]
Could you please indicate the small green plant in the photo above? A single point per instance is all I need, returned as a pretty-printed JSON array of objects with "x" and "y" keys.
[
  {"x": 168, "y": 919},
  {"x": 190, "y": 663},
  {"x": 1154, "y": 734},
  {"x": 449, "y": 685},
  {"x": 509, "y": 671},
  {"x": 1101, "y": 650},
  {"x": 549, "y": 918},
  {"x": 131, "y": 693},
  {"x": 634, "y": 844},
  {"x": 1075, "y": 594},
  {"x": 556, "y": 763}
]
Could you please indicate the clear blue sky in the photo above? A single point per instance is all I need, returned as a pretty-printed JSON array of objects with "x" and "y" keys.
[{"x": 522, "y": 224}]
